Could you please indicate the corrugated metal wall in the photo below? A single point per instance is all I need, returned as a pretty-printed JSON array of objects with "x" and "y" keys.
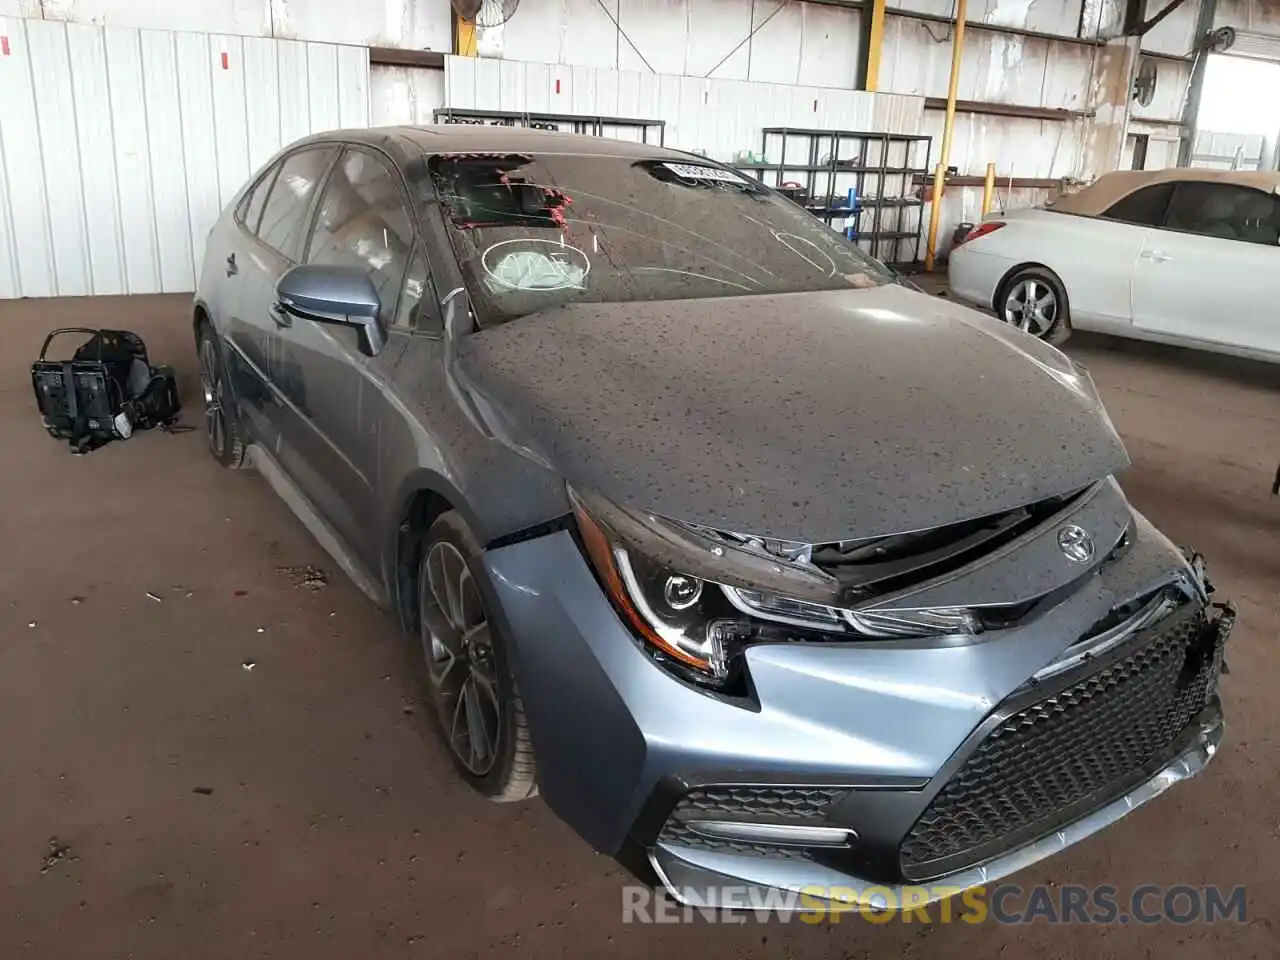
[
  {"x": 715, "y": 117},
  {"x": 415, "y": 24},
  {"x": 118, "y": 147},
  {"x": 769, "y": 41}
]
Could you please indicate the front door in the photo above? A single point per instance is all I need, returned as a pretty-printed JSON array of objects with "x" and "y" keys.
[
  {"x": 1209, "y": 274},
  {"x": 330, "y": 391}
]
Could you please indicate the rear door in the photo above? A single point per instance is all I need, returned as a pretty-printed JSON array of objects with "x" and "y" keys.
[
  {"x": 1211, "y": 273},
  {"x": 245, "y": 335},
  {"x": 362, "y": 220}
]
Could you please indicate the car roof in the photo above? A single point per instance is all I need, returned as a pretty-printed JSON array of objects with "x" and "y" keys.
[
  {"x": 488, "y": 138},
  {"x": 1099, "y": 196}
]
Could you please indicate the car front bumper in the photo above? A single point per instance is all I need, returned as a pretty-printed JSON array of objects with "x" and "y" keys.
[
  {"x": 857, "y": 736},
  {"x": 706, "y": 878}
]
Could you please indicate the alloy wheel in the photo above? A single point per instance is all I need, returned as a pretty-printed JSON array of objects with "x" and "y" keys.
[
  {"x": 215, "y": 426},
  {"x": 1031, "y": 305},
  {"x": 460, "y": 660}
]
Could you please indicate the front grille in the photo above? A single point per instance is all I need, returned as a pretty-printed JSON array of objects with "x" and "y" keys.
[
  {"x": 1051, "y": 761},
  {"x": 751, "y": 804}
]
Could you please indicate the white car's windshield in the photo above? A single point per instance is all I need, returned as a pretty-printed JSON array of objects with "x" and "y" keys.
[{"x": 534, "y": 231}]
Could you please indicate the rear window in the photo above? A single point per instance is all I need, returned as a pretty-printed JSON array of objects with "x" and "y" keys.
[
  {"x": 284, "y": 217},
  {"x": 536, "y": 231},
  {"x": 1145, "y": 207}
]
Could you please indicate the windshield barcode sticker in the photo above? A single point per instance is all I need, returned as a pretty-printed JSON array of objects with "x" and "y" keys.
[{"x": 693, "y": 171}]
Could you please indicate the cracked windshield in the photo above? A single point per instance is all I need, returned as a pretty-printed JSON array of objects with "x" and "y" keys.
[{"x": 539, "y": 231}]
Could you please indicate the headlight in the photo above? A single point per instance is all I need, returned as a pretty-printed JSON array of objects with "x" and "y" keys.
[{"x": 696, "y": 602}]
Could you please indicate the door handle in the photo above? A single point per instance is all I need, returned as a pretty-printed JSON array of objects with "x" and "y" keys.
[
  {"x": 1155, "y": 255},
  {"x": 281, "y": 318},
  {"x": 231, "y": 265}
]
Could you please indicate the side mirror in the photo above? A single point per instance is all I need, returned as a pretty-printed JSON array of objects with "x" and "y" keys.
[{"x": 341, "y": 296}]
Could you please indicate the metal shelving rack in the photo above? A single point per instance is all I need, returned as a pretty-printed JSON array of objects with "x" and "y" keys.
[
  {"x": 881, "y": 168},
  {"x": 595, "y": 126}
]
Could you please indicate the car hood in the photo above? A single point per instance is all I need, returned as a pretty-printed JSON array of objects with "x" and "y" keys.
[{"x": 812, "y": 416}]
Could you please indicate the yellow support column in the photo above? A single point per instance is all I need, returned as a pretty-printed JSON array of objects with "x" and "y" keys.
[
  {"x": 875, "y": 40},
  {"x": 935, "y": 209},
  {"x": 465, "y": 32},
  {"x": 988, "y": 189}
]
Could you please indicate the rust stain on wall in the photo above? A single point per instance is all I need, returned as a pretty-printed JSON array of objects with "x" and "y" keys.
[{"x": 1109, "y": 98}]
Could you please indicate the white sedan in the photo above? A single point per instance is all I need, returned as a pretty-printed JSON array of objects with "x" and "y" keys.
[{"x": 1181, "y": 256}]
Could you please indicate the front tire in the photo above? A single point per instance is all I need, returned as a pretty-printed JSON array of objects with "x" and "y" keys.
[
  {"x": 1034, "y": 301},
  {"x": 478, "y": 710},
  {"x": 221, "y": 427}
]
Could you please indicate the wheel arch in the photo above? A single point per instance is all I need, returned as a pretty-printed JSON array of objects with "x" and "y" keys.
[
  {"x": 199, "y": 315},
  {"x": 1012, "y": 272},
  {"x": 423, "y": 496},
  {"x": 998, "y": 297}
]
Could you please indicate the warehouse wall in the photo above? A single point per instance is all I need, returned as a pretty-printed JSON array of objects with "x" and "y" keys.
[
  {"x": 766, "y": 41},
  {"x": 418, "y": 24},
  {"x": 711, "y": 116},
  {"x": 121, "y": 146},
  {"x": 715, "y": 70}
]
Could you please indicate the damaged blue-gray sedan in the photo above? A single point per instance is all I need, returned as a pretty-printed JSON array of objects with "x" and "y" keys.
[{"x": 765, "y": 569}]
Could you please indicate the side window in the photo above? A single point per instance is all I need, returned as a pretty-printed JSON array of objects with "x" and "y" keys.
[
  {"x": 284, "y": 217},
  {"x": 416, "y": 284},
  {"x": 1145, "y": 207},
  {"x": 251, "y": 205},
  {"x": 363, "y": 222},
  {"x": 1226, "y": 211}
]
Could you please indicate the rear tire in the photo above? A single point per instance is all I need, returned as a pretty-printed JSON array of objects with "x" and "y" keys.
[
  {"x": 1034, "y": 300},
  {"x": 470, "y": 687},
  {"x": 222, "y": 431}
]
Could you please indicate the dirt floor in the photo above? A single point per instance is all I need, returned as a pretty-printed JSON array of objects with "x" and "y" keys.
[{"x": 202, "y": 756}]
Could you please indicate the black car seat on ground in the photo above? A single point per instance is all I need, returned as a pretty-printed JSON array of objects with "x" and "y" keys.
[{"x": 105, "y": 391}]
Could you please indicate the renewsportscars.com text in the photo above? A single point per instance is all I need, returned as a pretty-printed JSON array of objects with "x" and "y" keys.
[{"x": 1004, "y": 903}]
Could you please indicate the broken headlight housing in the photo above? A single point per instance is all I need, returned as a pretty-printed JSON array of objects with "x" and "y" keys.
[{"x": 697, "y": 599}]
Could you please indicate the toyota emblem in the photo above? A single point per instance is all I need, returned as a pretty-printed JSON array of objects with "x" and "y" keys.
[{"x": 1076, "y": 544}]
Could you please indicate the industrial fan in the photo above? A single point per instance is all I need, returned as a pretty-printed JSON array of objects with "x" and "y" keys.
[{"x": 486, "y": 14}]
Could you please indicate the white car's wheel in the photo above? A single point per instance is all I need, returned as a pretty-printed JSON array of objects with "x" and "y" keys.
[{"x": 1034, "y": 301}]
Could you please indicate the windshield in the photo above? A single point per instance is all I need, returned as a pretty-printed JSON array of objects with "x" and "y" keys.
[{"x": 538, "y": 231}]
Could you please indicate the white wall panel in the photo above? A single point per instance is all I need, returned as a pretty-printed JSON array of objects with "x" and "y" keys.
[
  {"x": 1261, "y": 16},
  {"x": 295, "y": 96},
  {"x": 417, "y": 24},
  {"x": 716, "y": 31},
  {"x": 168, "y": 161},
  {"x": 31, "y": 253},
  {"x": 97, "y": 161},
  {"x": 262, "y": 107},
  {"x": 411, "y": 95},
  {"x": 830, "y": 40},
  {"x": 119, "y": 147},
  {"x": 353, "y": 86},
  {"x": 564, "y": 31},
  {"x": 1172, "y": 79},
  {"x": 199, "y": 138},
  {"x": 231, "y": 145},
  {"x": 57, "y": 137},
  {"x": 660, "y": 31},
  {"x": 1060, "y": 17},
  {"x": 793, "y": 42},
  {"x": 133, "y": 161},
  {"x": 1174, "y": 34},
  {"x": 714, "y": 116},
  {"x": 774, "y": 56},
  {"x": 204, "y": 16}
]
